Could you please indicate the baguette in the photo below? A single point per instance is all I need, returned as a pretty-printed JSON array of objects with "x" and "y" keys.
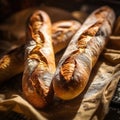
[
  {"x": 39, "y": 61},
  {"x": 74, "y": 68}
]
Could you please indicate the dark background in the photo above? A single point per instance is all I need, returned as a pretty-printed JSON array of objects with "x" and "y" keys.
[{"x": 8, "y": 7}]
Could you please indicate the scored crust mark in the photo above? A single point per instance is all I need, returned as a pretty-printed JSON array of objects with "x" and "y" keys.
[
  {"x": 37, "y": 55},
  {"x": 37, "y": 86},
  {"x": 37, "y": 81},
  {"x": 68, "y": 67},
  {"x": 36, "y": 23}
]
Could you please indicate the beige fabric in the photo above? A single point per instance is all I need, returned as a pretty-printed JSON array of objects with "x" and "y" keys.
[{"x": 93, "y": 104}]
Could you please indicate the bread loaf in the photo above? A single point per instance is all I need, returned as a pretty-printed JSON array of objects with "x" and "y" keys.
[
  {"x": 74, "y": 68},
  {"x": 39, "y": 61}
]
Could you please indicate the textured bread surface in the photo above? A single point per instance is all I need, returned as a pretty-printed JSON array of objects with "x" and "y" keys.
[
  {"x": 39, "y": 60},
  {"x": 75, "y": 66}
]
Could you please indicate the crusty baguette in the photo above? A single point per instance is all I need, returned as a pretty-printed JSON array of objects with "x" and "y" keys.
[
  {"x": 39, "y": 60},
  {"x": 75, "y": 66}
]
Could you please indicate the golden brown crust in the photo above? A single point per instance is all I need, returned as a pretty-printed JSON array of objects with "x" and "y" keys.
[
  {"x": 39, "y": 60},
  {"x": 73, "y": 70}
]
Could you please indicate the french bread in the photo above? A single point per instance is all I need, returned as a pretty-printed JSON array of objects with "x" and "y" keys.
[
  {"x": 39, "y": 60},
  {"x": 74, "y": 68}
]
